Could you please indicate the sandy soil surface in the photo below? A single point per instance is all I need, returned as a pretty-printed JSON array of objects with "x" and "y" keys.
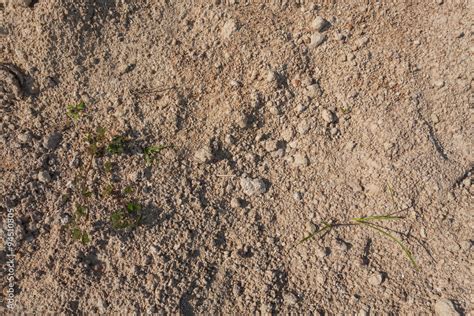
[{"x": 168, "y": 157}]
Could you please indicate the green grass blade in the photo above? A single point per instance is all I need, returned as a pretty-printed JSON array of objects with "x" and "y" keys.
[
  {"x": 319, "y": 231},
  {"x": 404, "y": 248},
  {"x": 376, "y": 218}
]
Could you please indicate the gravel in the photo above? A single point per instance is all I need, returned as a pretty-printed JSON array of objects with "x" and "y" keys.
[{"x": 238, "y": 94}]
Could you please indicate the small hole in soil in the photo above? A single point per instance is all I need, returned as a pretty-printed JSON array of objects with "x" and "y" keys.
[{"x": 33, "y": 3}]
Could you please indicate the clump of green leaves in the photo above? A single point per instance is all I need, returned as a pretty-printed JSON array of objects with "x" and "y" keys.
[
  {"x": 96, "y": 141},
  {"x": 369, "y": 223},
  {"x": 77, "y": 233},
  {"x": 128, "y": 217},
  {"x": 150, "y": 152},
  {"x": 80, "y": 235},
  {"x": 74, "y": 111}
]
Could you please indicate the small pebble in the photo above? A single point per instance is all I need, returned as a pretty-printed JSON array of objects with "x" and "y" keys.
[
  {"x": 445, "y": 307},
  {"x": 303, "y": 127},
  {"x": 242, "y": 120},
  {"x": 44, "y": 176},
  {"x": 438, "y": 83},
  {"x": 321, "y": 252},
  {"x": 361, "y": 42},
  {"x": 365, "y": 311},
  {"x": 290, "y": 298},
  {"x": 314, "y": 90},
  {"x": 319, "y": 24},
  {"x": 300, "y": 160},
  {"x": 253, "y": 186},
  {"x": 287, "y": 134},
  {"x": 229, "y": 139},
  {"x": 271, "y": 145},
  {"x": 328, "y": 116},
  {"x": 466, "y": 245},
  {"x": 274, "y": 110},
  {"x": 300, "y": 108},
  {"x": 376, "y": 278},
  {"x": 65, "y": 219},
  {"x": 235, "y": 203},
  {"x": 25, "y": 138},
  {"x": 317, "y": 39},
  {"x": 343, "y": 246},
  {"x": 204, "y": 154},
  {"x": 297, "y": 196},
  {"x": 311, "y": 228},
  {"x": 271, "y": 76},
  {"x": 235, "y": 83}
]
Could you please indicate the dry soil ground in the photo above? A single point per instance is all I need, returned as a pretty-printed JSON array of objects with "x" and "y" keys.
[{"x": 277, "y": 116}]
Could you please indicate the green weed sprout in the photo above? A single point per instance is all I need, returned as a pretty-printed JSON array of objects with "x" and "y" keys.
[
  {"x": 367, "y": 222},
  {"x": 76, "y": 232},
  {"x": 117, "y": 145},
  {"x": 128, "y": 217},
  {"x": 74, "y": 110},
  {"x": 150, "y": 152}
]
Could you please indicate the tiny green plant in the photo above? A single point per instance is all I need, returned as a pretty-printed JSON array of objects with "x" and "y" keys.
[
  {"x": 90, "y": 188},
  {"x": 150, "y": 152},
  {"x": 80, "y": 211},
  {"x": 74, "y": 111},
  {"x": 128, "y": 190},
  {"x": 367, "y": 222},
  {"x": 108, "y": 167},
  {"x": 346, "y": 110},
  {"x": 127, "y": 217},
  {"x": 95, "y": 141},
  {"x": 80, "y": 235},
  {"x": 77, "y": 233},
  {"x": 117, "y": 145}
]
